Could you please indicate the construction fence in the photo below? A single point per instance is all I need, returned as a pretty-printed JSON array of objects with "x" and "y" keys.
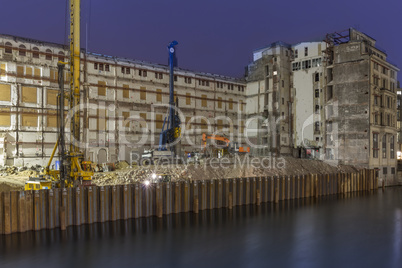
[{"x": 22, "y": 211}]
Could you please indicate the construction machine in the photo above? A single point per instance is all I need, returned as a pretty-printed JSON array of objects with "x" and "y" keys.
[
  {"x": 73, "y": 171},
  {"x": 221, "y": 146},
  {"x": 168, "y": 148}
]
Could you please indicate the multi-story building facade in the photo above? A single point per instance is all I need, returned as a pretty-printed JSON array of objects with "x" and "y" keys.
[
  {"x": 361, "y": 104},
  {"x": 269, "y": 99},
  {"x": 342, "y": 100},
  {"x": 123, "y": 102}
]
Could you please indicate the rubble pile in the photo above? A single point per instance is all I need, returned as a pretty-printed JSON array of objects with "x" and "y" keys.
[{"x": 13, "y": 178}]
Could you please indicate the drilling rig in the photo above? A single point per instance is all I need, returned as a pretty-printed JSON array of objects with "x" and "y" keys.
[
  {"x": 73, "y": 171},
  {"x": 169, "y": 147}
]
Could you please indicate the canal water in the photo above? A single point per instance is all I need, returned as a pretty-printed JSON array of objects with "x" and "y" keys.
[{"x": 356, "y": 230}]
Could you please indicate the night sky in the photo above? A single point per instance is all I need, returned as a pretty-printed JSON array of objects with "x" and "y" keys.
[{"x": 214, "y": 36}]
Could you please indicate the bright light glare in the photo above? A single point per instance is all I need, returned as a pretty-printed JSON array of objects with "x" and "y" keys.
[
  {"x": 154, "y": 176},
  {"x": 146, "y": 183}
]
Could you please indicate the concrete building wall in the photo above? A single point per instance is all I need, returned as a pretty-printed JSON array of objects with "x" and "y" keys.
[{"x": 308, "y": 81}]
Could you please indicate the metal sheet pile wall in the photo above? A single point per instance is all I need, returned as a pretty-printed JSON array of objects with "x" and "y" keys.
[{"x": 22, "y": 211}]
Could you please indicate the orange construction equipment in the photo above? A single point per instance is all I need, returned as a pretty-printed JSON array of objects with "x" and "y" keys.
[{"x": 222, "y": 145}]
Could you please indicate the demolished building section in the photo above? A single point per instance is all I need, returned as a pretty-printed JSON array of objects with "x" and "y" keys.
[{"x": 342, "y": 100}]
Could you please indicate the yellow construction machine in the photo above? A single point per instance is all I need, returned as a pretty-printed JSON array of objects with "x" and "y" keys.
[{"x": 73, "y": 170}]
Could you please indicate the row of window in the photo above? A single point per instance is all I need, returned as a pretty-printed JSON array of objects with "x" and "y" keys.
[
  {"x": 384, "y": 119},
  {"x": 22, "y": 51},
  {"x": 143, "y": 96},
  {"x": 387, "y": 101},
  {"x": 306, "y": 64},
  {"x": 383, "y": 83},
  {"x": 384, "y": 142},
  {"x": 383, "y": 69}
]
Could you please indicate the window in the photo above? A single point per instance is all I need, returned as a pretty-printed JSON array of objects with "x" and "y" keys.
[
  {"x": 317, "y": 109},
  {"x": 384, "y": 170},
  {"x": 392, "y": 74},
  {"x": 393, "y": 171},
  {"x": 100, "y": 66},
  {"x": 159, "y": 75},
  {"x": 101, "y": 88},
  {"x": 159, "y": 121},
  {"x": 317, "y": 77},
  {"x": 266, "y": 70},
  {"x": 203, "y": 100},
  {"x": 126, "y": 91},
  {"x": 8, "y": 48},
  {"x": 35, "y": 53},
  {"x": 230, "y": 104},
  {"x": 329, "y": 92},
  {"x": 384, "y": 146},
  {"x": 219, "y": 102},
  {"x": 143, "y": 93},
  {"x": 375, "y": 145},
  {"x": 107, "y": 68},
  {"x": 296, "y": 53},
  {"x": 283, "y": 101},
  {"x": 306, "y": 64},
  {"x": 61, "y": 56},
  {"x": 384, "y": 83},
  {"x": 296, "y": 66},
  {"x": 384, "y": 70},
  {"x": 187, "y": 80},
  {"x": 128, "y": 70},
  {"x": 317, "y": 126},
  {"x": 175, "y": 78},
  {"x": 283, "y": 83},
  {"x": 22, "y": 51},
  {"x": 392, "y": 147},
  {"x": 95, "y": 66},
  {"x": 306, "y": 51},
  {"x": 317, "y": 93},
  {"x": 188, "y": 99},
  {"x": 142, "y": 73},
  {"x": 159, "y": 95},
  {"x": 48, "y": 54}
]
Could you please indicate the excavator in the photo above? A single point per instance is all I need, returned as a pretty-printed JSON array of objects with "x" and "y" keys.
[
  {"x": 221, "y": 146},
  {"x": 73, "y": 169}
]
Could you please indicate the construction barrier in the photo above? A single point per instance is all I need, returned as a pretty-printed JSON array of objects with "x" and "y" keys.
[{"x": 22, "y": 211}]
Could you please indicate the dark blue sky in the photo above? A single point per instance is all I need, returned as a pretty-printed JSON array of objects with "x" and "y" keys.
[{"x": 214, "y": 36}]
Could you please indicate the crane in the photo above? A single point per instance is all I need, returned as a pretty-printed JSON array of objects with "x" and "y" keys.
[
  {"x": 171, "y": 129},
  {"x": 74, "y": 171}
]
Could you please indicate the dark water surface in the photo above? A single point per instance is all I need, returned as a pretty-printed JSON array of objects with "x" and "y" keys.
[{"x": 359, "y": 230}]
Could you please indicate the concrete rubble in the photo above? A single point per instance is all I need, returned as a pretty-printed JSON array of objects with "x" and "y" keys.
[{"x": 13, "y": 178}]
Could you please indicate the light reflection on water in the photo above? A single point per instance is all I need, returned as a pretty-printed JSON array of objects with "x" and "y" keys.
[{"x": 358, "y": 230}]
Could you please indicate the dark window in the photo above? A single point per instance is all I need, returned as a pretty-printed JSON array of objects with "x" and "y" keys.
[
  {"x": 317, "y": 109},
  {"x": 384, "y": 170},
  {"x": 96, "y": 66},
  {"x": 384, "y": 146},
  {"x": 175, "y": 78},
  {"x": 48, "y": 54},
  {"x": 317, "y": 77},
  {"x": 107, "y": 68},
  {"x": 128, "y": 70},
  {"x": 100, "y": 66},
  {"x": 8, "y": 48},
  {"x": 35, "y": 53},
  {"x": 393, "y": 170},
  {"x": 22, "y": 51},
  {"x": 61, "y": 56},
  {"x": 317, "y": 126},
  {"x": 123, "y": 70},
  {"x": 306, "y": 51},
  {"x": 392, "y": 147},
  {"x": 317, "y": 93},
  {"x": 329, "y": 92},
  {"x": 375, "y": 145}
]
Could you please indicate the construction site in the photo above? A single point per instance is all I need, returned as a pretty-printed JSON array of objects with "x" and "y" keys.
[{"x": 70, "y": 118}]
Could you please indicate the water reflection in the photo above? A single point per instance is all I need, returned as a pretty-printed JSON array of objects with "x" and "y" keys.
[{"x": 328, "y": 231}]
